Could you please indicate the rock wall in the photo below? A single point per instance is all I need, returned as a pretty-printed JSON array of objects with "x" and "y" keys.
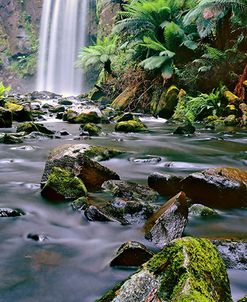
[{"x": 19, "y": 25}]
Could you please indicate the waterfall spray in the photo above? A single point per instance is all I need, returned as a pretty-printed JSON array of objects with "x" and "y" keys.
[{"x": 63, "y": 32}]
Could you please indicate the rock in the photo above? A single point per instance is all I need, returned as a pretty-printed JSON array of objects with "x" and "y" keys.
[
  {"x": 131, "y": 253},
  {"x": 168, "y": 222},
  {"x": 168, "y": 102},
  {"x": 5, "y": 118},
  {"x": 93, "y": 213},
  {"x": 220, "y": 188},
  {"x": 233, "y": 252},
  {"x": 92, "y": 129},
  {"x": 165, "y": 184},
  {"x": 201, "y": 210},
  {"x": 44, "y": 95},
  {"x": 122, "y": 101},
  {"x": 125, "y": 117},
  {"x": 7, "y": 212},
  {"x": 130, "y": 126},
  {"x": 57, "y": 109},
  {"x": 80, "y": 204},
  {"x": 20, "y": 113},
  {"x": 243, "y": 108},
  {"x": 65, "y": 102},
  {"x": 187, "y": 269},
  {"x": 185, "y": 129},
  {"x": 64, "y": 132},
  {"x": 231, "y": 120},
  {"x": 29, "y": 127},
  {"x": 10, "y": 138},
  {"x": 130, "y": 191},
  {"x": 231, "y": 97},
  {"x": 82, "y": 118},
  {"x": 151, "y": 160},
  {"x": 63, "y": 185},
  {"x": 37, "y": 237},
  {"x": 76, "y": 159}
]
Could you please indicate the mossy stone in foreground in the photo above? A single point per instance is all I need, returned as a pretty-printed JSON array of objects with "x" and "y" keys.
[
  {"x": 29, "y": 127},
  {"x": 130, "y": 126},
  {"x": 92, "y": 129},
  {"x": 62, "y": 185},
  {"x": 188, "y": 269}
]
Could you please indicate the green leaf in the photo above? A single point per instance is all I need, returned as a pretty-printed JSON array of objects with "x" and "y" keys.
[
  {"x": 167, "y": 70},
  {"x": 104, "y": 58},
  {"x": 154, "y": 62},
  {"x": 152, "y": 44},
  {"x": 190, "y": 44}
]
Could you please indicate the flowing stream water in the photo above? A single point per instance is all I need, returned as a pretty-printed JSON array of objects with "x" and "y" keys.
[
  {"x": 63, "y": 32},
  {"x": 73, "y": 263}
]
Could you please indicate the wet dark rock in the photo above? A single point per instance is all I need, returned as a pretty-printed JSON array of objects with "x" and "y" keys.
[
  {"x": 165, "y": 184},
  {"x": 93, "y": 213},
  {"x": 59, "y": 115},
  {"x": 80, "y": 204},
  {"x": 168, "y": 102},
  {"x": 5, "y": 118},
  {"x": 29, "y": 127},
  {"x": 187, "y": 269},
  {"x": 63, "y": 185},
  {"x": 131, "y": 253},
  {"x": 168, "y": 222},
  {"x": 185, "y": 129},
  {"x": 217, "y": 188},
  {"x": 130, "y": 191},
  {"x": 37, "y": 237},
  {"x": 233, "y": 252},
  {"x": 20, "y": 113},
  {"x": 126, "y": 117},
  {"x": 7, "y": 212},
  {"x": 42, "y": 95},
  {"x": 201, "y": 210},
  {"x": 10, "y": 138},
  {"x": 65, "y": 102},
  {"x": 57, "y": 109},
  {"x": 76, "y": 159},
  {"x": 64, "y": 132}
]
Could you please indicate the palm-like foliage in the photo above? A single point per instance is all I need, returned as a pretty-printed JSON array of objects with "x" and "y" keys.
[
  {"x": 208, "y": 13},
  {"x": 3, "y": 89},
  {"x": 100, "y": 54}
]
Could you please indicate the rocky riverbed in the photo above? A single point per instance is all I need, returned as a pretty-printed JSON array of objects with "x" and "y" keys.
[{"x": 94, "y": 167}]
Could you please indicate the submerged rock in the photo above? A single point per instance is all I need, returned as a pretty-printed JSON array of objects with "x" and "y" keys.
[
  {"x": 11, "y": 138},
  {"x": 165, "y": 184},
  {"x": 188, "y": 128},
  {"x": 233, "y": 252},
  {"x": 217, "y": 187},
  {"x": 201, "y": 210},
  {"x": 37, "y": 237},
  {"x": 7, "y": 212},
  {"x": 168, "y": 222},
  {"x": 130, "y": 126},
  {"x": 131, "y": 253},
  {"x": 75, "y": 159},
  {"x": 5, "y": 118},
  {"x": 63, "y": 185},
  {"x": 187, "y": 269},
  {"x": 29, "y": 127}
]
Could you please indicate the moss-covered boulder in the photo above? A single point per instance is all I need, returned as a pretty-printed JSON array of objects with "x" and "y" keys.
[
  {"x": 186, "y": 128},
  {"x": 29, "y": 127},
  {"x": 201, "y": 210},
  {"x": 63, "y": 185},
  {"x": 91, "y": 129},
  {"x": 188, "y": 269},
  {"x": 5, "y": 118},
  {"x": 231, "y": 97},
  {"x": 74, "y": 159},
  {"x": 20, "y": 113},
  {"x": 217, "y": 187},
  {"x": 243, "y": 108},
  {"x": 231, "y": 120},
  {"x": 168, "y": 102},
  {"x": 130, "y": 126},
  {"x": 11, "y": 138},
  {"x": 244, "y": 299},
  {"x": 75, "y": 117},
  {"x": 168, "y": 222}
]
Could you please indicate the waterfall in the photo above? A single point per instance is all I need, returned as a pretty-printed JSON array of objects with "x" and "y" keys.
[{"x": 63, "y": 32}]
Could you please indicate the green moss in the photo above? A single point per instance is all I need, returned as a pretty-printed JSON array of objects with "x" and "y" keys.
[
  {"x": 65, "y": 184},
  {"x": 29, "y": 127},
  {"x": 13, "y": 107},
  {"x": 101, "y": 153},
  {"x": 111, "y": 294},
  {"x": 130, "y": 126},
  {"x": 190, "y": 268},
  {"x": 92, "y": 129}
]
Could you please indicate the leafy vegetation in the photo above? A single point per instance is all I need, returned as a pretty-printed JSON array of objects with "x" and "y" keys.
[{"x": 3, "y": 89}]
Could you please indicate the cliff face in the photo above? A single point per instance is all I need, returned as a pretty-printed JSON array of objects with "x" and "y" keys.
[{"x": 19, "y": 26}]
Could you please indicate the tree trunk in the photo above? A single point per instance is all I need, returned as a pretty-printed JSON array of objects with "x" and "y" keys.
[{"x": 240, "y": 89}]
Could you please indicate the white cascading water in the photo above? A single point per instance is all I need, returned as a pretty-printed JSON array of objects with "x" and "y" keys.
[{"x": 63, "y": 32}]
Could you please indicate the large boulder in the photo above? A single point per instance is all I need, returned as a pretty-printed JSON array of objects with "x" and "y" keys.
[
  {"x": 188, "y": 269},
  {"x": 21, "y": 113},
  {"x": 217, "y": 187},
  {"x": 165, "y": 184},
  {"x": 63, "y": 185},
  {"x": 130, "y": 126},
  {"x": 5, "y": 118},
  {"x": 75, "y": 160},
  {"x": 168, "y": 102},
  {"x": 168, "y": 222},
  {"x": 75, "y": 117},
  {"x": 123, "y": 100},
  {"x": 29, "y": 127}
]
